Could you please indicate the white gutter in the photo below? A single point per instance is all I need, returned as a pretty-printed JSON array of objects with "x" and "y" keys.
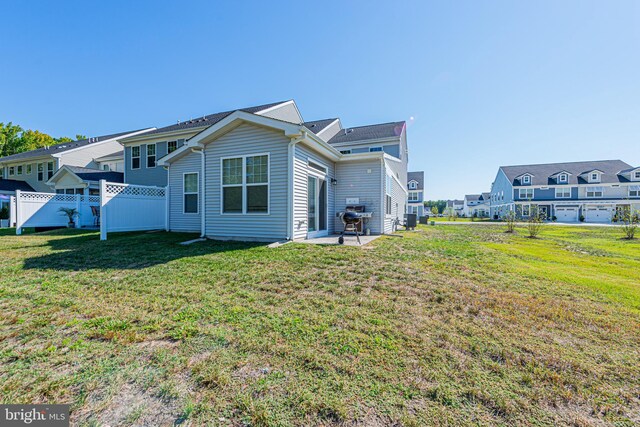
[{"x": 291, "y": 173}]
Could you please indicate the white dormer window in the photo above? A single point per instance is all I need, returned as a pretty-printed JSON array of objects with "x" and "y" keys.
[
  {"x": 595, "y": 177},
  {"x": 413, "y": 185},
  {"x": 636, "y": 175},
  {"x": 563, "y": 177},
  {"x": 526, "y": 179}
]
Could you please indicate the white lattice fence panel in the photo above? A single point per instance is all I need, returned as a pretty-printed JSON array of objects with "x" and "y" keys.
[
  {"x": 43, "y": 209},
  {"x": 132, "y": 207}
]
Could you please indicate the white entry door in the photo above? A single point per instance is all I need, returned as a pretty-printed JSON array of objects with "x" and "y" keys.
[
  {"x": 598, "y": 214},
  {"x": 564, "y": 214}
]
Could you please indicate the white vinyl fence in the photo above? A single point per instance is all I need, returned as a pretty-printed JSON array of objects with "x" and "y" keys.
[
  {"x": 120, "y": 207},
  {"x": 126, "y": 207},
  {"x": 43, "y": 209}
]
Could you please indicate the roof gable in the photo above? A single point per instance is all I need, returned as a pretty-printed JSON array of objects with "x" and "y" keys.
[{"x": 369, "y": 132}]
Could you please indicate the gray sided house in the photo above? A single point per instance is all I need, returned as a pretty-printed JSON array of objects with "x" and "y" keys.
[
  {"x": 415, "y": 185},
  {"x": 37, "y": 167},
  {"x": 252, "y": 175},
  {"x": 593, "y": 191},
  {"x": 142, "y": 152}
]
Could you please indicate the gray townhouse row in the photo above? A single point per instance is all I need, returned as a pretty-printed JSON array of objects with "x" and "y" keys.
[{"x": 258, "y": 173}]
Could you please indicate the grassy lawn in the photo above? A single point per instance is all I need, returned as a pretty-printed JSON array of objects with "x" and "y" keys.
[{"x": 448, "y": 325}]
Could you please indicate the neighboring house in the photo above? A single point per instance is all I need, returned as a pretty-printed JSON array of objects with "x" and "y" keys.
[
  {"x": 142, "y": 152},
  {"x": 415, "y": 185},
  {"x": 36, "y": 167},
  {"x": 78, "y": 180},
  {"x": 111, "y": 162},
  {"x": 593, "y": 191},
  {"x": 8, "y": 188},
  {"x": 455, "y": 207},
  {"x": 264, "y": 174},
  {"x": 476, "y": 205}
]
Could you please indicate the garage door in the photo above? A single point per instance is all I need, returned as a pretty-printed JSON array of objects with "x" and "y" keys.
[
  {"x": 598, "y": 215},
  {"x": 567, "y": 214}
]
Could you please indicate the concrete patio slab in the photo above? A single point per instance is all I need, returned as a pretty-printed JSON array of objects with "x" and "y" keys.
[{"x": 348, "y": 240}]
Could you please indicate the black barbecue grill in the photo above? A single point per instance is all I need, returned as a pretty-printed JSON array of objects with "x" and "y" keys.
[{"x": 351, "y": 221}]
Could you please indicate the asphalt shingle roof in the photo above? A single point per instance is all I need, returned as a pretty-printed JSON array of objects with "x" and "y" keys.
[
  {"x": 316, "y": 126},
  {"x": 62, "y": 147},
  {"x": 542, "y": 174},
  {"x": 210, "y": 119},
  {"x": 363, "y": 133},
  {"x": 13, "y": 185},
  {"x": 418, "y": 177},
  {"x": 88, "y": 174}
]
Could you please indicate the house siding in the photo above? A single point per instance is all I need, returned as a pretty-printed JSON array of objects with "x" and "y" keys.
[
  {"x": 178, "y": 220},
  {"x": 288, "y": 113},
  {"x": 85, "y": 156},
  {"x": 398, "y": 205},
  {"x": 364, "y": 180},
  {"x": 301, "y": 167},
  {"x": 147, "y": 176},
  {"x": 247, "y": 140}
]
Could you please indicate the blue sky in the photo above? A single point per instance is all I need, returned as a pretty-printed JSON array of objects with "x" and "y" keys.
[{"x": 481, "y": 83}]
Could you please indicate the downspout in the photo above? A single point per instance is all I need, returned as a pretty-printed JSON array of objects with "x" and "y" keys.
[
  {"x": 291, "y": 167},
  {"x": 203, "y": 192}
]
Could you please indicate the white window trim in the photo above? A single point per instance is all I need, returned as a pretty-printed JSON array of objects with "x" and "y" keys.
[
  {"x": 593, "y": 190},
  {"x": 596, "y": 175},
  {"x": 413, "y": 185},
  {"x": 526, "y": 179},
  {"x": 19, "y": 170},
  {"x": 184, "y": 193},
  {"x": 29, "y": 170},
  {"x": 38, "y": 165},
  {"x": 12, "y": 170},
  {"x": 636, "y": 175},
  {"x": 636, "y": 189},
  {"x": 245, "y": 185},
  {"x": 169, "y": 142},
  {"x": 526, "y": 190},
  {"x": 53, "y": 169},
  {"x": 563, "y": 177},
  {"x": 155, "y": 155},
  {"x": 563, "y": 189},
  {"x": 139, "y": 157},
  {"x": 528, "y": 208}
]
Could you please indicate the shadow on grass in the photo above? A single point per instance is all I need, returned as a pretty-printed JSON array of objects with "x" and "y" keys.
[{"x": 82, "y": 250}]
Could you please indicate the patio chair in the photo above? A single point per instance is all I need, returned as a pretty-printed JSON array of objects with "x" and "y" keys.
[{"x": 95, "y": 211}]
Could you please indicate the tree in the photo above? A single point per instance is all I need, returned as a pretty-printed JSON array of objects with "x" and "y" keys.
[
  {"x": 434, "y": 210},
  {"x": 630, "y": 219},
  {"x": 441, "y": 205},
  {"x": 535, "y": 222},
  {"x": 510, "y": 219},
  {"x": 14, "y": 139}
]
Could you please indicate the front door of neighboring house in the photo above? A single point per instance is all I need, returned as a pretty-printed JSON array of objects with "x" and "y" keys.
[
  {"x": 544, "y": 212},
  {"x": 317, "y": 204}
]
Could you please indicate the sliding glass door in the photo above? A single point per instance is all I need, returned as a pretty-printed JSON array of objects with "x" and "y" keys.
[{"x": 317, "y": 206}]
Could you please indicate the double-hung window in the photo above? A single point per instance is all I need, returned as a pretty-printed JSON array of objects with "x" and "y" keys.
[
  {"x": 563, "y": 192},
  {"x": 526, "y": 179},
  {"x": 245, "y": 184},
  {"x": 50, "y": 167},
  {"x": 190, "y": 193},
  {"x": 12, "y": 170},
  {"x": 29, "y": 169},
  {"x": 526, "y": 193},
  {"x": 562, "y": 177},
  {"x": 135, "y": 157},
  {"x": 151, "y": 155},
  {"x": 414, "y": 196},
  {"x": 594, "y": 192},
  {"x": 388, "y": 192},
  {"x": 413, "y": 185},
  {"x": 172, "y": 146},
  {"x": 40, "y": 171},
  {"x": 526, "y": 210},
  {"x": 634, "y": 191},
  {"x": 19, "y": 170},
  {"x": 636, "y": 175}
]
